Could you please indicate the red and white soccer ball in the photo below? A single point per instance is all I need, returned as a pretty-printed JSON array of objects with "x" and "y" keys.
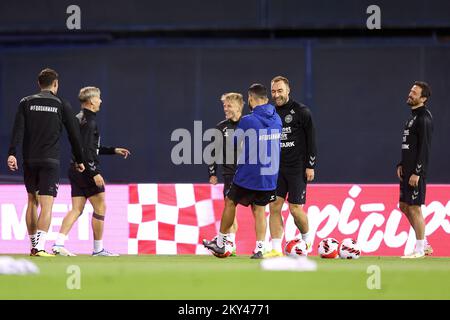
[
  {"x": 329, "y": 248},
  {"x": 349, "y": 249},
  {"x": 296, "y": 247}
]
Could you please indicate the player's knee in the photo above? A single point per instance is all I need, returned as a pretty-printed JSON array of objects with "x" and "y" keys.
[
  {"x": 275, "y": 207},
  {"x": 296, "y": 208},
  {"x": 404, "y": 208}
]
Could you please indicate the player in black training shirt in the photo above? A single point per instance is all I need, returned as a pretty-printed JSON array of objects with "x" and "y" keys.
[
  {"x": 297, "y": 162},
  {"x": 233, "y": 104},
  {"x": 38, "y": 126},
  {"x": 412, "y": 170},
  {"x": 88, "y": 185}
]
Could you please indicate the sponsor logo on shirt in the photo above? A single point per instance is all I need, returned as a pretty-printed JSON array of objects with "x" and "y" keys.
[{"x": 288, "y": 144}]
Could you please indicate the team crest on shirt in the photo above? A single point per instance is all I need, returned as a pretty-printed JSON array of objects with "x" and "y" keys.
[{"x": 288, "y": 118}]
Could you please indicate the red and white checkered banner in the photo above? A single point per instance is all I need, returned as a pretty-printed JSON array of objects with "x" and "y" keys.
[{"x": 174, "y": 218}]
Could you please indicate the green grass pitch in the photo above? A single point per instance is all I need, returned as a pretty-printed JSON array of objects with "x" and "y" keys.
[{"x": 206, "y": 277}]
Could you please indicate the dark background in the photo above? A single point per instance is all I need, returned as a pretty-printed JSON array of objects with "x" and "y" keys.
[{"x": 162, "y": 65}]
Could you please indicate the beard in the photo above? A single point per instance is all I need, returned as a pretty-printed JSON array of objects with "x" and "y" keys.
[
  {"x": 412, "y": 102},
  {"x": 280, "y": 101}
]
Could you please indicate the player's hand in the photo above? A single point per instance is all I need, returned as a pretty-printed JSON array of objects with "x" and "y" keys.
[
  {"x": 99, "y": 182},
  {"x": 213, "y": 180},
  {"x": 122, "y": 152},
  {"x": 309, "y": 174},
  {"x": 400, "y": 173},
  {"x": 12, "y": 163},
  {"x": 79, "y": 167},
  {"x": 414, "y": 180}
]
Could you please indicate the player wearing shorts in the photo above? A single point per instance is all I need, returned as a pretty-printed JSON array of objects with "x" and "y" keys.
[
  {"x": 254, "y": 182},
  {"x": 88, "y": 185},
  {"x": 38, "y": 126},
  {"x": 298, "y": 159},
  {"x": 412, "y": 170},
  {"x": 233, "y": 104}
]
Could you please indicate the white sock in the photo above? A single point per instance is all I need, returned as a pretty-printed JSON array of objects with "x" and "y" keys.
[
  {"x": 420, "y": 246},
  {"x": 221, "y": 239},
  {"x": 60, "y": 239},
  {"x": 276, "y": 245},
  {"x": 259, "y": 246},
  {"x": 231, "y": 237},
  {"x": 306, "y": 237},
  {"x": 33, "y": 240},
  {"x": 40, "y": 240},
  {"x": 98, "y": 245}
]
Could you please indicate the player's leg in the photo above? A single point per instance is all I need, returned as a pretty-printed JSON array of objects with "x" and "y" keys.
[
  {"x": 259, "y": 213},
  {"x": 228, "y": 180},
  {"x": 98, "y": 219},
  {"x": 276, "y": 228},
  {"x": 31, "y": 217},
  {"x": 301, "y": 221},
  {"x": 78, "y": 204},
  {"x": 413, "y": 198},
  {"x": 43, "y": 223},
  {"x": 228, "y": 216},
  {"x": 275, "y": 217},
  {"x": 48, "y": 178},
  {"x": 297, "y": 198},
  {"x": 31, "y": 179},
  {"x": 418, "y": 222}
]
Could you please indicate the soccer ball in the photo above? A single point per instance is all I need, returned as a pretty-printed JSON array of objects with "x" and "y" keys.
[
  {"x": 329, "y": 248},
  {"x": 296, "y": 247},
  {"x": 349, "y": 249}
]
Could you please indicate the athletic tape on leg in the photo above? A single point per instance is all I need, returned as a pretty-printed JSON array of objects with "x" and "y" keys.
[{"x": 98, "y": 217}]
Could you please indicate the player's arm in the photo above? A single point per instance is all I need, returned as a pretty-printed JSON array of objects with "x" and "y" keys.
[
  {"x": 114, "y": 150},
  {"x": 17, "y": 136},
  {"x": 424, "y": 131},
  {"x": 311, "y": 149},
  {"x": 73, "y": 131}
]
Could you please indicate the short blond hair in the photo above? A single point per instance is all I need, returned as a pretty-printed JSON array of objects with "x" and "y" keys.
[
  {"x": 280, "y": 78},
  {"x": 233, "y": 97},
  {"x": 88, "y": 92}
]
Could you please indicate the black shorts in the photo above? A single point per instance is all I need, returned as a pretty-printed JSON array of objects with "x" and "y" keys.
[
  {"x": 246, "y": 197},
  {"x": 82, "y": 185},
  {"x": 227, "y": 181},
  {"x": 292, "y": 181},
  {"x": 42, "y": 179},
  {"x": 413, "y": 196}
]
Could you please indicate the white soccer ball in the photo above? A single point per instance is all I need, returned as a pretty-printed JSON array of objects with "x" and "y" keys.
[
  {"x": 329, "y": 248},
  {"x": 296, "y": 247},
  {"x": 349, "y": 249}
]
